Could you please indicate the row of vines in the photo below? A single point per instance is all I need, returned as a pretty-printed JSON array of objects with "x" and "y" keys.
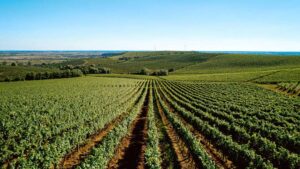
[{"x": 94, "y": 122}]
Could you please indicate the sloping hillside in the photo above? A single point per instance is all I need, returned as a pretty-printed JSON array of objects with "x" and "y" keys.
[
  {"x": 189, "y": 66},
  {"x": 133, "y": 62},
  {"x": 240, "y": 63}
]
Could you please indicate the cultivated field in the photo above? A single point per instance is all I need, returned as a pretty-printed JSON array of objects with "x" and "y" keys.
[
  {"x": 207, "y": 110},
  {"x": 102, "y": 122}
]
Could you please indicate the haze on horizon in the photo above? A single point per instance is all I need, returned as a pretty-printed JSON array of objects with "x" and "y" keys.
[{"x": 226, "y": 25}]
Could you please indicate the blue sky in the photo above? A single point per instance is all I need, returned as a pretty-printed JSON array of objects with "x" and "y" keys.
[{"x": 259, "y": 25}]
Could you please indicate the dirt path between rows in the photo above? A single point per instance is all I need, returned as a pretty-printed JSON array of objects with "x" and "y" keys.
[
  {"x": 74, "y": 158},
  {"x": 184, "y": 156},
  {"x": 51, "y": 139},
  {"x": 77, "y": 155},
  {"x": 168, "y": 155},
  {"x": 131, "y": 151}
]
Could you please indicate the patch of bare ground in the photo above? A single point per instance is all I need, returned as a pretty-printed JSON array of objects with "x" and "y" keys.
[
  {"x": 275, "y": 88},
  {"x": 184, "y": 156},
  {"x": 130, "y": 153},
  {"x": 217, "y": 156}
]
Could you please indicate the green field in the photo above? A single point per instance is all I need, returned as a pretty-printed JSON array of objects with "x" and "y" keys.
[
  {"x": 228, "y": 63},
  {"x": 213, "y": 111},
  {"x": 208, "y": 67},
  {"x": 152, "y": 60},
  {"x": 51, "y": 123},
  {"x": 193, "y": 66}
]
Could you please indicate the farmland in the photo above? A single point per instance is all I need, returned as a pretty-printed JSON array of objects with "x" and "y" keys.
[
  {"x": 211, "y": 111},
  {"x": 149, "y": 84},
  {"x": 196, "y": 66},
  {"x": 100, "y": 122}
]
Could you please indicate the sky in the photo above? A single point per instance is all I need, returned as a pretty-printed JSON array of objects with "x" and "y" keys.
[{"x": 206, "y": 25}]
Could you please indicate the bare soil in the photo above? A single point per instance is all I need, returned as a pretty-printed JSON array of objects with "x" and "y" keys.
[
  {"x": 184, "y": 156},
  {"x": 130, "y": 153}
]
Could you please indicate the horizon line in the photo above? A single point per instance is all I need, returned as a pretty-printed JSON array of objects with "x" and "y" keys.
[{"x": 121, "y": 50}]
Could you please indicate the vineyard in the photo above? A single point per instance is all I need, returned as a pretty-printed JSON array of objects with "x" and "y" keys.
[
  {"x": 291, "y": 88},
  {"x": 105, "y": 122}
]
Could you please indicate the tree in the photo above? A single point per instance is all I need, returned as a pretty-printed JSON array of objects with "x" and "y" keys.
[
  {"x": 7, "y": 79},
  {"x": 30, "y": 76},
  {"x": 93, "y": 70},
  {"x": 76, "y": 73},
  {"x": 67, "y": 73},
  {"x": 163, "y": 72},
  {"x": 171, "y": 69},
  {"x": 38, "y": 76},
  {"x": 18, "y": 78},
  {"x": 13, "y": 64},
  {"x": 145, "y": 71},
  {"x": 46, "y": 75},
  {"x": 104, "y": 70},
  {"x": 56, "y": 75}
]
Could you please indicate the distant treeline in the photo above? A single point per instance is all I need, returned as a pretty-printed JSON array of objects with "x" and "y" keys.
[
  {"x": 67, "y": 71},
  {"x": 4, "y": 63},
  {"x": 90, "y": 69},
  {"x": 160, "y": 72},
  {"x": 47, "y": 75}
]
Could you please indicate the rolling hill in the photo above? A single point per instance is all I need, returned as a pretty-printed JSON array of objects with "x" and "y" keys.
[{"x": 194, "y": 66}]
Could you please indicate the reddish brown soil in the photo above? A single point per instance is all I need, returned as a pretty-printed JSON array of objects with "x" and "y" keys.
[
  {"x": 74, "y": 158},
  {"x": 77, "y": 155},
  {"x": 130, "y": 153},
  {"x": 167, "y": 153}
]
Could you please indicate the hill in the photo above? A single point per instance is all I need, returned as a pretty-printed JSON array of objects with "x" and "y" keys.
[
  {"x": 133, "y": 62},
  {"x": 227, "y": 63},
  {"x": 193, "y": 66}
]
